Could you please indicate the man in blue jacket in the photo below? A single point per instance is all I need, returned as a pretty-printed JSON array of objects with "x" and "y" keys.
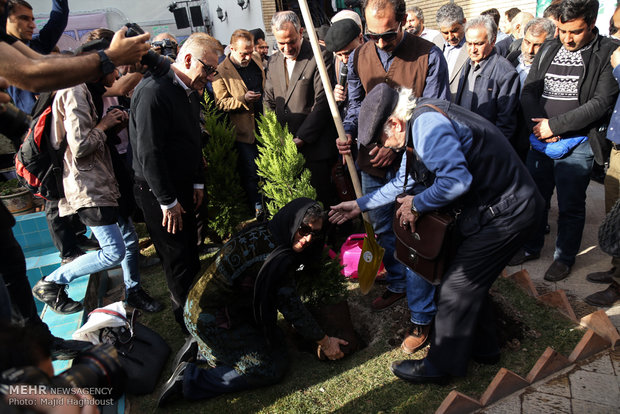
[
  {"x": 20, "y": 24},
  {"x": 489, "y": 84}
]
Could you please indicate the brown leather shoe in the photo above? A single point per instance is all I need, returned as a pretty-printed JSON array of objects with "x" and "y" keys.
[
  {"x": 386, "y": 300},
  {"x": 605, "y": 298},
  {"x": 601, "y": 277},
  {"x": 416, "y": 338}
]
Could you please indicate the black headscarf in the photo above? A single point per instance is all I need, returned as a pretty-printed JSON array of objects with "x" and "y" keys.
[{"x": 278, "y": 264}]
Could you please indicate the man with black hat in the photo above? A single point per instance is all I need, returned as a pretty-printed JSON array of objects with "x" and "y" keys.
[
  {"x": 472, "y": 170},
  {"x": 343, "y": 37},
  {"x": 396, "y": 58}
]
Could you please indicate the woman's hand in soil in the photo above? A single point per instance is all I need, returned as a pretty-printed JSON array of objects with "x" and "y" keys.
[
  {"x": 330, "y": 347},
  {"x": 344, "y": 211}
]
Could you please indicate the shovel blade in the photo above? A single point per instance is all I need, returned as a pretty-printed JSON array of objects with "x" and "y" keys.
[{"x": 370, "y": 260}]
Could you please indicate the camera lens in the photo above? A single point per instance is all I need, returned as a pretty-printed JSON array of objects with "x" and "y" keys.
[{"x": 98, "y": 369}]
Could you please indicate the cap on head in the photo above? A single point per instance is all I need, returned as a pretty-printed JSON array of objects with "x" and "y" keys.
[
  {"x": 340, "y": 34},
  {"x": 376, "y": 108}
]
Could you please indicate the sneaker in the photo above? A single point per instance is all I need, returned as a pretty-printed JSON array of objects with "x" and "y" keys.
[
  {"x": 55, "y": 296},
  {"x": 173, "y": 388},
  {"x": 386, "y": 300},
  {"x": 138, "y": 298},
  {"x": 416, "y": 338},
  {"x": 602, "y": 277},
  {"x": 557, "y": 271},
  {"x": 605, "y": 298},
  {"x": 521, "y": 257}
]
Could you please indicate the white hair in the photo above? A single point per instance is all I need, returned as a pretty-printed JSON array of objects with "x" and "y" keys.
[{"x": 407, "y": 102}]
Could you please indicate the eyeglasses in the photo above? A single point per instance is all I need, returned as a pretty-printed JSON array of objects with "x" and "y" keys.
[
  {"x": 305, "y": 230},
  {"x": 208, "y": 68},
  {"x": 386, "y": 36}
]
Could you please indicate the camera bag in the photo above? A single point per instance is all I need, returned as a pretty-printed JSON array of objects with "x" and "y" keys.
[{"x": 142, "y": 352}]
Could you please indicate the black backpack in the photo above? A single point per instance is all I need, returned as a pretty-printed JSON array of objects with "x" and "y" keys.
[{"x": 37, "y": 164}]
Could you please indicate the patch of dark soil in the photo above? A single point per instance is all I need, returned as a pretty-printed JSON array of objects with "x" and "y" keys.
[{"x": 508, "y": 322}]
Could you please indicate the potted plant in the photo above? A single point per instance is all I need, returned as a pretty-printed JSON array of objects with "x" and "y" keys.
[{"x": 17, "y": 199}]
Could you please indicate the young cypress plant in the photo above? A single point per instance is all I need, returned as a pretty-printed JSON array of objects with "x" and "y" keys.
[
  {"x": 280, "y": 166},
  {"x": 224, "y": 195}
]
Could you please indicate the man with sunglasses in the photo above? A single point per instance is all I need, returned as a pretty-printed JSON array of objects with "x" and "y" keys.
[
  {"x": 396, "y": 58},
  {"x": 164, "y": 130}
]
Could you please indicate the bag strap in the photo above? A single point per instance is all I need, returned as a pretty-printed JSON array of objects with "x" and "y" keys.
[{"x": 409, "y": 150}]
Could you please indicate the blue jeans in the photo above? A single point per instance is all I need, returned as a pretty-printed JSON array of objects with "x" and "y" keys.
[
  {"x": 570, "y": 176},
  {"x": 119, "y": 245},
  {"x": 420, "y": 293}
]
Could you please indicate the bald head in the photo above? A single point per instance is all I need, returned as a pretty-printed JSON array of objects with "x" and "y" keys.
[{"x": 519, "y": 22}]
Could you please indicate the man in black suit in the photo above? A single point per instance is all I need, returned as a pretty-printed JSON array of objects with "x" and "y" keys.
[
  {"x": 164, "y": 129},
  {"x": 293, "y": 89}
]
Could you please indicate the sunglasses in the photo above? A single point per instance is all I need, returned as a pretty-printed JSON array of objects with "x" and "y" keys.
[
  {"x": 304, "y": 230},
  {"x": 386, "y": 36},
  {"x": 208, "y": 68}
]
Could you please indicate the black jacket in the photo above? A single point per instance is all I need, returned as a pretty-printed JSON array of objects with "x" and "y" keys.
[
  {"x": 597, "y": 94},
  {"x": 164, "y": 131}
]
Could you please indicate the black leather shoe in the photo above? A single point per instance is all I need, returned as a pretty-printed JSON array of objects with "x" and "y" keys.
[
  {"x": 521, "y": 257},
  {"x": 55, "y": 296},
  {"x": 188, "y": 352},
  {"x": 557, "y": 271},
  {"x": 413, "y": 370},
  {"x": 68, "y": 349},
  {"x": 605, "y": 298},
  {"x": 602, "y": 277},
  {"x": 173, "y": 388},
  {"x": 139, "y": 299}
]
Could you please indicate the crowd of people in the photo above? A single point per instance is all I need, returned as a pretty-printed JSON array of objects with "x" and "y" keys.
[{"x": 481, "y": 122}]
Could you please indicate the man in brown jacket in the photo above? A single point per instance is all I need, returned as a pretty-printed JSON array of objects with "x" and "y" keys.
[{"x": 238, "y": 88}]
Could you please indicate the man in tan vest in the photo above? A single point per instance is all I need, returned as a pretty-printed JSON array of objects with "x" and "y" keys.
[
  {"x": 238, "y": 89},
  {"x": 398, "y": 59}
]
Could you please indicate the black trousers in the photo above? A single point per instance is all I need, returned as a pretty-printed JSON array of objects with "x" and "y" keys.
[
  {"x": 464, "y": 324},
  {"x": 63, "y": 230},
  {"x": 321, "y": 180},
  {"x": 178, "y": 252}
]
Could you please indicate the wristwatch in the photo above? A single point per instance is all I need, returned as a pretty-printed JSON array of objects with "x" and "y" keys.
[
  {"x": 414, "y": 211},
  {"x": 107, "y": 66}
]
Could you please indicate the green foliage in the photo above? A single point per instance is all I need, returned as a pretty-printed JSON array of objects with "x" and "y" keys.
[
  {"x": 322, "y": 283},
  {"x": 224, "y": 196},
  {"x": 280, "y": 165},
  {"x": 9, "y": 187}
]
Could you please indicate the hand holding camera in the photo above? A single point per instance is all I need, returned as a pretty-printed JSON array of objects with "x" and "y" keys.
[
  {"x": 114, "y": 117},
  {"x": 126, "y": 49}
]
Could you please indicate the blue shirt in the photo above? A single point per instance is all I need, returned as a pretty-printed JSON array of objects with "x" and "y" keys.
[
  {"x": 613, "y": 132},
  {"x": 441, "y": 145},
  {"x": 436, "y": 86},
  {"x": 43, "y": 43}
]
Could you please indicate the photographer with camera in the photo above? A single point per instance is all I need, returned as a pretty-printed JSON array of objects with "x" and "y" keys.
[
  {"x": 96, "y": 186},
  {"x": 27, "y": 380},
  {"x": 27, "y": 69},
  {"x": 165, "y": 44}
]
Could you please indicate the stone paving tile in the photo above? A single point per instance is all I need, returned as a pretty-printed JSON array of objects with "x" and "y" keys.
[
  {"x": 510, "y": 405},
  {"x": 581, "y": 406},
  {"x": 595, "y": 387},
  {"x": 538, "y": 402},
  {"x": 602, "y": 365},
  {"x": 557, "y": 386},
  {"x": 615, "y": 358}
]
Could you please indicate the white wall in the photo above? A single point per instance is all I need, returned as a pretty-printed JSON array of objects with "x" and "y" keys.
[{"x": 153, "y": 15}]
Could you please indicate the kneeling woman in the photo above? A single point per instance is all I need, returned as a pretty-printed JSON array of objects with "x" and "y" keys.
[{"x": 232, "y": 309}]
